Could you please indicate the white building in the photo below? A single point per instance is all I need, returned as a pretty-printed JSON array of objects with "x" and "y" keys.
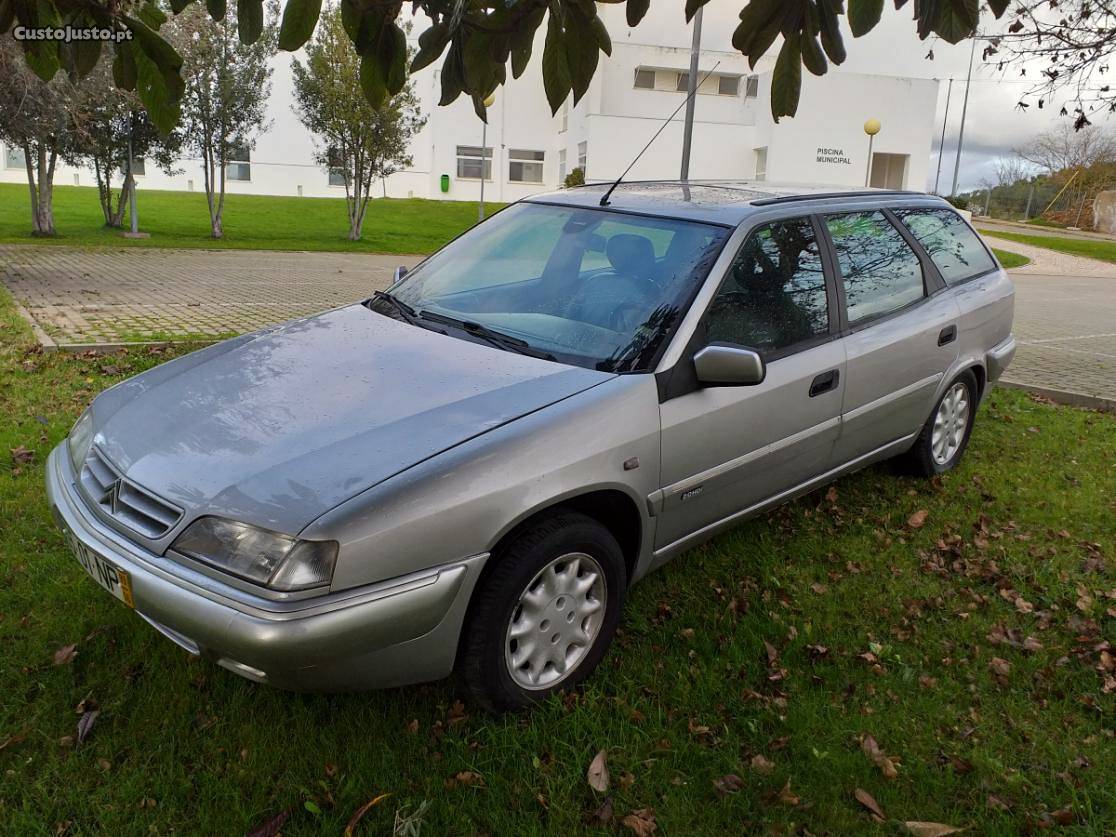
[{"x": 527, "y": 150}]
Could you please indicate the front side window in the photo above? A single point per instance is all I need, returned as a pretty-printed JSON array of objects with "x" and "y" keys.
[
  {"x": 525, "y": 166},
  {"x": 239, "y": 165},
  {"x": 591, "y": 287},
  {"x": 880, "y": 272},
  {"x": 774, "y": 294},
  {"x": 950, "y": 242},
  {"x": 474, "y": 162}
]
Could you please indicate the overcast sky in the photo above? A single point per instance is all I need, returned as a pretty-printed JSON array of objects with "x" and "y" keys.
[{"x": 993, "y": 125}]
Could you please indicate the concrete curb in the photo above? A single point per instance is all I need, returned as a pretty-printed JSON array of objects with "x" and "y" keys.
[
  {"x": 109, "y": 348},
  {"x": 45, "y": 340},
  {"x": 1067, "y": 397}
]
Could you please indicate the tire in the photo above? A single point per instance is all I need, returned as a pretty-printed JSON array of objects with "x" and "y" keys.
[
  {"x": 542, "y": 558},
  {"x": 933, "y": 455}
]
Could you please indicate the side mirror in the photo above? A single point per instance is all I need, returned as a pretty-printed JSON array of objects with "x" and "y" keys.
[
  {"x": 720, "y": 365},
  {"x": 400, "y": 272}
]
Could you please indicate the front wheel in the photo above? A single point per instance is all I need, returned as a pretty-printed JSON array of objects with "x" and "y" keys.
[
  {"x": 543, "y": 618},
  {"x": 945, "y": 435}
]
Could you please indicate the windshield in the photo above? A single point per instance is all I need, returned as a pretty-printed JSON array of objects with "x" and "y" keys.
[{"x": 589, "y": 287}]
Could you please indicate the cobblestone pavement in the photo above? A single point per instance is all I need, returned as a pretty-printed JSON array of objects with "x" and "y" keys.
[
  {"x": 111, "y": 296},
  {"x": 1065, "y": 315}
]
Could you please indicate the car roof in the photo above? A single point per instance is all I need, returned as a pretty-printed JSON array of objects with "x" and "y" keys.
[{"x": 721, "y": 202}]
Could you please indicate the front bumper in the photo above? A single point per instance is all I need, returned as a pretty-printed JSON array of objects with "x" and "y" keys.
[{"x": 400, "y": 631}]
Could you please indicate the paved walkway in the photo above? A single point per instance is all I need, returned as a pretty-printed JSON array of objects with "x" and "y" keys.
[
  {"x": 1065, "y": 315},
  {"x": 81, "y": 297},
  {"x": 1038, "y": 230}
]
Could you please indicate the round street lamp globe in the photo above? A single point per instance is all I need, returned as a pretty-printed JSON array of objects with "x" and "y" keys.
[
  {"x": 872, "y": 127},
  {"x": 488, "y": 102}
]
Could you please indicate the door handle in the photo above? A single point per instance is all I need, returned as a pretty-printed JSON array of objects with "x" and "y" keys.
[
  {"x": 825, "y": 382},
  {"x": 947, "y": 335}
]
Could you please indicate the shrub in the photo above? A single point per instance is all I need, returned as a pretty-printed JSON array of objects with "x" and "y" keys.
[
  {"x": 959, "y": 202},
  {"x": 575, "y": 177}
]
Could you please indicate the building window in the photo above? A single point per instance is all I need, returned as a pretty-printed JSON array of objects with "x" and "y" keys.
[
  {"x": 751, "y": 87},
  {"x": 728, "y": 85},
  {"x": 582, "y": 155},
  {"x": 761, "y": 163},
  {"x": 15, "y": 158},
  {"x": 562, "y": 166},
  {"x": 565, "y": 115},
  {"x": 525, "y": 166},
  {"x": 336, "y": 168},
  {"x": 683, "y": 84},
  {"x": 139, "y": 166},
  {"x": 645, "y": 79},
  {"x": 239, "y": 166},
  {"x": 472, "y": 160}
]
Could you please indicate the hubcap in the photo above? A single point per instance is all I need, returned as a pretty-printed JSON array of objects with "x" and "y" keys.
[
  {"x": 556, "y": 621},
  {"x": 950, "y": 423}
]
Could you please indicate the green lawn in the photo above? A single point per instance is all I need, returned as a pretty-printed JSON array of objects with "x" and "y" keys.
[
  {"x": 1009, "y": 259},
  {"x": 1093, "y": 249},
  {"x": 254, "y": 222},
  {"x": 957, "y": 622}
]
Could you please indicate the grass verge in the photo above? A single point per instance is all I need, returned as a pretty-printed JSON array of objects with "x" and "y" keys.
[
  {"x": 937, "y": 645},
  {"x": 252, "y": 222},
  {"x": 1009, "y": 259},
  {"x": 1102, "y": 250}
]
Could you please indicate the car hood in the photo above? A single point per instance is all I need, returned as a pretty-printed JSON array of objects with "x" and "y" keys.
[{"x": 279, "y": 427}]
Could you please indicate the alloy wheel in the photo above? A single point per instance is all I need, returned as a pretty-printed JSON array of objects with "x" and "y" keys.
[{"x": 950, "y": 423}]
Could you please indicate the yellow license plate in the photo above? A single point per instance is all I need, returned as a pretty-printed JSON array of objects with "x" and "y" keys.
[{"x": 103, "y": 571}]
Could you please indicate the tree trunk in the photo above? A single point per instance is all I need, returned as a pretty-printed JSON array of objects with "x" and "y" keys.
[
  {"x": 117, "y": 219},
  {"x": 40, "y": 179},
  {"x": 104, "y": 190}
]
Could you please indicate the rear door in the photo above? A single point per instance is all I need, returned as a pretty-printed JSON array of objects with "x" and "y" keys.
[
  {"x": 900, "y": 326},
  {"x": 728, "y": 448}
]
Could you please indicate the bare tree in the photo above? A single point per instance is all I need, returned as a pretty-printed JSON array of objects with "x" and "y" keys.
[
  {"x": 37, "y": 117},
  {"x": 1064, "y": 147},
  {"x": 1009, "y": 170}
]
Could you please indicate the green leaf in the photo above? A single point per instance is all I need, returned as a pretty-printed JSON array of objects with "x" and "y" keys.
[
  {"x": 634, "y": 10},
  {"x": 85, "y": 55},
  {"x": 151, "y": 14},
  {"x": 249, "y": 20},
  {"x": 520, "y": 58},
  {"x": 582, "y": 54},
  {"x": 812, "y": 56},
  {"x": 786, "y": 80},
  {"x": 757, "y": 16},
  {"x": 124, "y": 67},
  {"x": 178, "y": 5},
  {"x": 299, "y": 19},
  {"x": 691, "y": 8},
  {"x": 157, "y": 97},
  {"x": 394, "y": 59},
  {"x": 864, "y": 15},
  {"x": 216, "y": 9},
  {"x": 476, "y": 59},
  {"x": 7, "y": 14},
  {"x": 957, "y": 20},
  {"x": 555, "y": 70},
  {"x": 372, "y": 80},
  {"x": 604, "y": 42},
  {"x": 453, "y": 79},
  {"x": 432, "y": 43},
  {"x": 763, "y": 41},
  {"x": 998, "y": 7},
  {"x": 831, "y": 39}
]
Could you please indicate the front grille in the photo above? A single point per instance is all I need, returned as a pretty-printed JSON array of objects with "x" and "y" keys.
[{"x": 124, "y": 501}]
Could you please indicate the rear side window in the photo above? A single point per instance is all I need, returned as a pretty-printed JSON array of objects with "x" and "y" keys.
[
  {"x": 950, "y": 243},
  {"x": 774, "y": 294},
  {"x": 880, "y": 272}
]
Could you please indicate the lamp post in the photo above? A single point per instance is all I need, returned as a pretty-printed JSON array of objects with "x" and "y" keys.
[
  {"x": 484, "y": 141},
  {"x": 871, "y": 128}
]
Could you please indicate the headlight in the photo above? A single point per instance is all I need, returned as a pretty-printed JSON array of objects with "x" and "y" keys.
[
  {"x": 80, "y": 438},
  {"x": 276, "y": 561}
]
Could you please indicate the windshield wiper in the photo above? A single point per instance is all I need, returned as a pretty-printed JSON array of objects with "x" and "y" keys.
[
  {"x": 406, "y": 311},
  {"x": 496, "y": 338}
]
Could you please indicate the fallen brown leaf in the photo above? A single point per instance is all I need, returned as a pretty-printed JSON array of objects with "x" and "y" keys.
[
  {"x": 761, "y": 764},
  {"x": 21, "y": 455},
  {"x": 85, "y": 724},
  {"x": 1000, "y": 667},
  {"x": 598, "y": 773},
  {"x": 641, "y": 821},
  {"x": 361, "y": 811},
  {"x": 930, "y": 829},
  {"x": 271, "y": 826},
  {"x": 786, "y": 796},
  {"x": 918, "y": 519},
  {"x": 65, "y": 654},
  {"x": 603, "y": 815},
  {"x": 730, "y": 783},
  {"x": 886, "y": 764},
  {"x": 868, "y": 801}
]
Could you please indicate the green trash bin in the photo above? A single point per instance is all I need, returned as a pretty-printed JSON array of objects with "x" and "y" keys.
[{"x": 445, "y": 182}]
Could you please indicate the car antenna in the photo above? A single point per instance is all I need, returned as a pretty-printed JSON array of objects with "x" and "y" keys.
[{"x": 605, "y": 197}]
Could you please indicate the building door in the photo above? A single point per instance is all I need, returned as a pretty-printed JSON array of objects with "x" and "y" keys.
[{"x": 889, "y": 171}]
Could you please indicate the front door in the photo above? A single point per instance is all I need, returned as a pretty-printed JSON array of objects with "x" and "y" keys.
[{"x": 728, "y": 448}]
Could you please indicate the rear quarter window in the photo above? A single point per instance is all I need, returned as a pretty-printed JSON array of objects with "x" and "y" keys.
[{"x": 951, "y": 244}]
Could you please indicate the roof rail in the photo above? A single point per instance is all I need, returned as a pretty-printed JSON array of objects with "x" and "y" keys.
[{"x": 861, "y": 193}]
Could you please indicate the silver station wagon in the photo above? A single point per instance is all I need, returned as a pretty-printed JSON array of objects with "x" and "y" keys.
[{"x": 466, "y": 473}]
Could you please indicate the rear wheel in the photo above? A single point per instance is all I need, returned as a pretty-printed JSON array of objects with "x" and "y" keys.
[
  {"x": 543, "y": 618},
  {"x": 945, "y": 435}
]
